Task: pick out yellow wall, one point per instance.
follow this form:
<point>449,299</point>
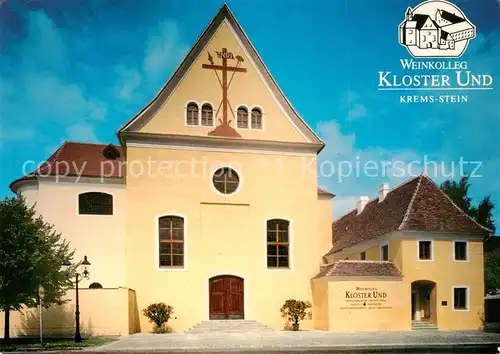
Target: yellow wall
<point>100,237</point>
<point>442,270</point>
<point>102,312</point>
<point>320,303</point>
<point>446,273</point>
<point>224,234</point>
<point>202,85</point>
<point>351,314</point>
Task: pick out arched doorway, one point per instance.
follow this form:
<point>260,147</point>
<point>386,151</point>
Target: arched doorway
<point>423,301</point>
<point>226,300</point>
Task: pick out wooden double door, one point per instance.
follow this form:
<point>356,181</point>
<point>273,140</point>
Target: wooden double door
<point>226,298</point>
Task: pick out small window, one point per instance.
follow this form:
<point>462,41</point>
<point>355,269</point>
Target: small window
<point>95,286</point>
<point>171,238</point>
<point>207,115</point>
<point>192,114</point>
<point>363,256</point>
<point>242,117</point>
<point>460,250</point>
<point>425,250</point>
<point>95,203</point>
<point>226,180</point>
<point>256,119</point>
<point>278,243</point>
<point>384,253</point>
<point>460,298</point>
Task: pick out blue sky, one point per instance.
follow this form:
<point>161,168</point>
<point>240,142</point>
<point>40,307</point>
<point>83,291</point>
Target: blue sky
<point>77,70</point>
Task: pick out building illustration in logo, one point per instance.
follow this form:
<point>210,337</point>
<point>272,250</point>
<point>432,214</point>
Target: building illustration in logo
<point>436,28</point>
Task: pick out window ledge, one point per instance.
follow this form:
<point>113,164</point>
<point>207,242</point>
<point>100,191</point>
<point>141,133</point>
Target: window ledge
<point>278,269</point>
<point>461,310</point>
<point>171,269</point>
<point>425,260</point>
<point>460,261</point>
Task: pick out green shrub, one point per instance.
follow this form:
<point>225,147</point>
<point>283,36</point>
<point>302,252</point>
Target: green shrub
<point>159,314</point>
<point>296,310</point>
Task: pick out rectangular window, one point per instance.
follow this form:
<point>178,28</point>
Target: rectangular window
<point>277,243</point>
<point>460,298</point>
<point>384,253</point>
<point>171,238</point>
<point>425,250</point>
<point>363,256</point>
<point>460,250</point>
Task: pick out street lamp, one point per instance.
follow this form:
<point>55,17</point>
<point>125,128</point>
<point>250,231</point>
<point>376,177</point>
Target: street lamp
<point>85,274</point>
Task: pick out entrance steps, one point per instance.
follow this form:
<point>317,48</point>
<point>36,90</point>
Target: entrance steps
<point>230,326</point>
<point>422,325</point>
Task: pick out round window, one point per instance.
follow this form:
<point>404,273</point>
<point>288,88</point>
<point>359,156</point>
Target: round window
<point>226,180</point>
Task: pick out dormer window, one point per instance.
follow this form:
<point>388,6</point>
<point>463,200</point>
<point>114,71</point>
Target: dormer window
<point>207,115</point>
<point>256,118</point>
<point>111,152</point>
<point>192,114</point>
<point>242,118</point>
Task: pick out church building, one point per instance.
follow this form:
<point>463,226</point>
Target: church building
<point>210,204</point>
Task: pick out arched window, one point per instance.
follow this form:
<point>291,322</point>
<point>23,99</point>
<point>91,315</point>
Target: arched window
<point>95,203</point>
<point>278,243</point>
<point>256,118</point>
<point>192,114</point>
<point>171,237</point>
<point>95,286</point>
<point>242,117</point>
<point>207,115</point>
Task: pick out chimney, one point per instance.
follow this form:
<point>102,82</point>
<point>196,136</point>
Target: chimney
<point>362,203</point>
<point>382,192</point>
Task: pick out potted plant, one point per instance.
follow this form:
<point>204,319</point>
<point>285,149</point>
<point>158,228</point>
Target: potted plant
<point>295,311</point>
<point>159,314</point>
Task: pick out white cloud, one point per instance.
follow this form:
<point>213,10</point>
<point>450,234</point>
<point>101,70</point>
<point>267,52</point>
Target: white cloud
<point>343,205</point>
<point>358,111</point>
<point>81,132</point>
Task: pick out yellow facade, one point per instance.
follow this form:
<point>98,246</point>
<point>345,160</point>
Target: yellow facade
<point>169,172</point>
<point>445,272</point>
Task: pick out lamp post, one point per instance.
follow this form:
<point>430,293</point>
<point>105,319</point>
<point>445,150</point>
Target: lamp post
<point>85,274</point>
<point>41,294</point>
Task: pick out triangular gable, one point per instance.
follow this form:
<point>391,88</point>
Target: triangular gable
<point>223,16</point>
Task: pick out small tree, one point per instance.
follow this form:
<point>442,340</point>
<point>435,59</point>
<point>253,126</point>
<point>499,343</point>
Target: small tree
<point>31,253</point>
<point>295,311</point>
<point>492,271</point>
<point>159,314</point>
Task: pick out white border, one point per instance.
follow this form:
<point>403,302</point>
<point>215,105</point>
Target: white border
<point>185,113</point>
<point>238,172</point>
<point>467,297</point>
<point>381,254</point>
<point>156,259</point>
<point>218,149</point>
<point>213,114</point>
<point>290,245</point>
<point>236,115</point>
<point>418,249</point>
<point>94,191</point>
<point>211,275</point>
<point>255,106</point>
<point>467,255</point>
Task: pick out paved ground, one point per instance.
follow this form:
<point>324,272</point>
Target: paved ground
<point>312,341</point>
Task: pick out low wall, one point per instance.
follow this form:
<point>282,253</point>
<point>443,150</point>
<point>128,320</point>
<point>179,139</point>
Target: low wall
<point>102,312</point>
<point>363,305</point>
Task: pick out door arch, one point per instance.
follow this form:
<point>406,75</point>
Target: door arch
<point>423,301</point>
<point>226,297</point>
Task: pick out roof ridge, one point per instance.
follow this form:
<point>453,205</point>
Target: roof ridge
<point>375,198</point>
<point>89,143</point>
<point>410,204</point>
<point>459,209</point>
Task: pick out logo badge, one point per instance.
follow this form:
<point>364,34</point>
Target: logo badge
<point>436,29</point>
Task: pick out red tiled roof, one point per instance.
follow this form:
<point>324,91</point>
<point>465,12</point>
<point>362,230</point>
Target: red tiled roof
<point>87,160</point>
<point>79,159</point>
<point>353,268</point>
<point>418,205</point>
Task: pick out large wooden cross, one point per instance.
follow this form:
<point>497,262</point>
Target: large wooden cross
<point>224,129</point>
